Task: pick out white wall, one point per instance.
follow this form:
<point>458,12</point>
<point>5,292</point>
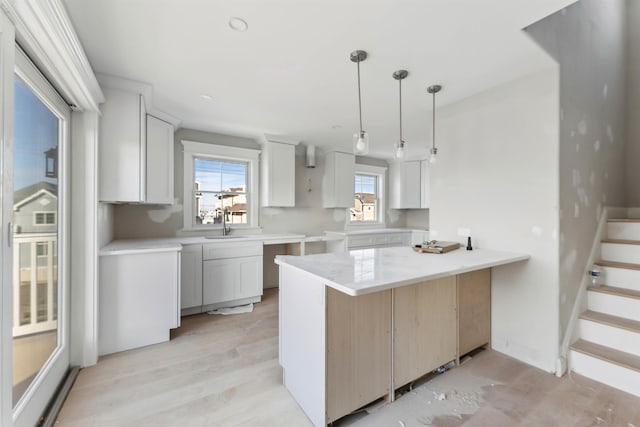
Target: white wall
<point>633,104</point>
<point>588,40</point>
<point>498,176</point>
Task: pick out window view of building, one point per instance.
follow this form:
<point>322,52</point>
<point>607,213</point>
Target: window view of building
<point>365,201</point>
<point>220,185</point>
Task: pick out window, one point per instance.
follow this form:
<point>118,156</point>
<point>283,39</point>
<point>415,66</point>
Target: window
<point>219,186</point>
<point>219,179</point>
<point>42,249</point>
<point>44,218</point>
<point>368,195</point>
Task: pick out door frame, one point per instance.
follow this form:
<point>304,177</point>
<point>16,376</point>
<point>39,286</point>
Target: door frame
<point>35,399</point>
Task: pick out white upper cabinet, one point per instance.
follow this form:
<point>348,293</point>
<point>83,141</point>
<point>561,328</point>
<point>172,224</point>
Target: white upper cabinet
<point>122,143</point>
<point>159,161</point>
<point>278,174</point>
<point>409,184</point>
<point>136,151</point>
<point>338,180</point>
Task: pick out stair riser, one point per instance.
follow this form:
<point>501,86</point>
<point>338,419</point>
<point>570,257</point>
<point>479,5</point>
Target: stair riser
<point>607,373</point>
<point>623,230</point>
<point>614,305</point>
<point>620,278</point>
<point>610,336</point>
<point>621,253</point>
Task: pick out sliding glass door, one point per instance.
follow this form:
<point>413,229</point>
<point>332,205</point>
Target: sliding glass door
<point>39,242</point>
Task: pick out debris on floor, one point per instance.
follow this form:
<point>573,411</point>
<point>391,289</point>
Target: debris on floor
<point>233,310</point>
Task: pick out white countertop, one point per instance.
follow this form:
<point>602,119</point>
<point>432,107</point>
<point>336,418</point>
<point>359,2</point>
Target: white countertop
<point>121,247</point>
<point>363,271</point>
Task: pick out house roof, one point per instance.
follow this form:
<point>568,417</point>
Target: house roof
<point>26,194</point>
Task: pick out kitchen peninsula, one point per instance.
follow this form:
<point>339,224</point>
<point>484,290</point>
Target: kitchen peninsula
<point>356,326</point>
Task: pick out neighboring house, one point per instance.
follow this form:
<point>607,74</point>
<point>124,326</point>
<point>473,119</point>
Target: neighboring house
<point>364,208</point>
<point>35,209</point>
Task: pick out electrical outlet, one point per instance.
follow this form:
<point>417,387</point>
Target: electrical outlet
<point>464,232</point>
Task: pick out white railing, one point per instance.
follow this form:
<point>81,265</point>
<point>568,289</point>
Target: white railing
<point>30,277</point>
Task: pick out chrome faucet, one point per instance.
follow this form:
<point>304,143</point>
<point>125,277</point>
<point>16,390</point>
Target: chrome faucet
<point>225,230</point>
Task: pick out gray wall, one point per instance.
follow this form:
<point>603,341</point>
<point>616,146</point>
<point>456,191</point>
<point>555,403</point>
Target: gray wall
<point>587,39</point>
<point>633,104</point>
<point>308,217</point>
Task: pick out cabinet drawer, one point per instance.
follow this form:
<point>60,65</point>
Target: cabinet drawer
<point>361,241</point>
<point>231,250</point>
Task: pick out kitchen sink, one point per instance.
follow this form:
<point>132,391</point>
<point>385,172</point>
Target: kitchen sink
<point>225,237</point>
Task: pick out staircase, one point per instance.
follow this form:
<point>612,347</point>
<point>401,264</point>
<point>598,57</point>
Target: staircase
<point>608,348</point>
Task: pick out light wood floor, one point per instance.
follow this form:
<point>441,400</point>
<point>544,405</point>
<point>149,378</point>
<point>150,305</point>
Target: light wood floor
<point>223,371</point>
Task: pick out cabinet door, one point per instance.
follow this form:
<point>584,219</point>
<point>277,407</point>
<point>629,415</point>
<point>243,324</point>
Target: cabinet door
<point>338,184</point>
<point>159,164</point>
<point>424,328</point>
<point>474,310</point>
<point>220,279</point>
<point>424,184</point>
<point>279,175</point>
<point>191,277</point>
<point>405,185</point>
<point>250,282</point>
<point>358,350</point>
<point>120,150</point>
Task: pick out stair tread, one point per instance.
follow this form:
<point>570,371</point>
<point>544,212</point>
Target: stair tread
<point>621,241</point>
<point>613,290</point>
<point>608,354</point>
<point>624,220</point>
<point>616,264</point>
<point>615,321</point>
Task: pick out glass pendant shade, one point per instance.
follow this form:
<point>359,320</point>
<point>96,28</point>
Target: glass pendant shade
<point>433,158</point>
<point>400,151</point>
<point>361,143</point>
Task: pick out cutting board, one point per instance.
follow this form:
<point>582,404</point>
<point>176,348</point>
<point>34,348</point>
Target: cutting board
<point>437,247</point>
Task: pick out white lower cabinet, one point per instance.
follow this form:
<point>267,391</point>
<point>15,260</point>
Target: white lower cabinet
<point>220,275</point>
<point>231,279</point>
<point>138,299</point>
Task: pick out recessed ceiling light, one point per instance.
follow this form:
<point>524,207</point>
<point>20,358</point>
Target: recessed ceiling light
<point>206,97</point>
<point>336,127</point>
<point>238,24</point>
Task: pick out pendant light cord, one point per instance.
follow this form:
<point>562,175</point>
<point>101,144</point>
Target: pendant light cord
<point>433,126</point>
<point>359,98</point>
<point>400,91</point>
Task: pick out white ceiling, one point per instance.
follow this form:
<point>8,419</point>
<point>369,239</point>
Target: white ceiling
<point>290,73</point>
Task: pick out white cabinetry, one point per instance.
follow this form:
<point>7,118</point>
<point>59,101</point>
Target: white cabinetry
<point>409,184</point>
<point>375,239</point>
<point>337,183</point>
<point>191,277</point>
<point>139,297</point>
<point>159,162</point>
<point>231,274</point>
<point>122,148</point>
<point>134,167</point>
<point>278,172</point>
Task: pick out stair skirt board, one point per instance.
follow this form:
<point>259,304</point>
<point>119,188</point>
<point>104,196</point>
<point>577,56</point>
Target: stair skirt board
<point>623,230</point>
<point>621,277</point>
<point>620,252</point>
<point>605,372</point>
<point>610,336</point>
<point>614,305</point>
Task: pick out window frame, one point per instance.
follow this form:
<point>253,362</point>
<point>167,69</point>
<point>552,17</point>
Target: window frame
<point>193,150</point>
<point>380,173</point>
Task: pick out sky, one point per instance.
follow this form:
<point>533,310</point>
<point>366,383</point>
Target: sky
<point>365,183</point>
<point>35,131</point>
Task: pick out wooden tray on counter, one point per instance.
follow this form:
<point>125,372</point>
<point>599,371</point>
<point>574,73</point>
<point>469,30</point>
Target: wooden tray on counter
<point>437,247</point>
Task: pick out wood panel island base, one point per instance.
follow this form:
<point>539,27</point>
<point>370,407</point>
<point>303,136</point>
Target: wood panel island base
<point>356,326</point>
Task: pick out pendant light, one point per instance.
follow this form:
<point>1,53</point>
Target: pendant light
<point>360,139</point>
<point>434,151</point>
<point>400,150</point>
